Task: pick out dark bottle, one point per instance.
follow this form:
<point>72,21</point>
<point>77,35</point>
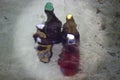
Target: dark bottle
<point>70,27</point>
<point>52,27</point>
<point>69,58</point>
<point>46,35</point>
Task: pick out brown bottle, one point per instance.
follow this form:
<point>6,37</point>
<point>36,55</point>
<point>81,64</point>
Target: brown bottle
<point>70,27</point>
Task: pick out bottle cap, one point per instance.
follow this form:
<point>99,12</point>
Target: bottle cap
<point>49,6</point>
<point>69,16</point>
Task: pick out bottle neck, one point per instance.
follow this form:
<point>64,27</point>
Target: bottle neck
<point>49,17</point>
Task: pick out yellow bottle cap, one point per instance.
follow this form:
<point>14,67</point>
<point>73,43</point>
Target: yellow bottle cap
<point>69,16</point>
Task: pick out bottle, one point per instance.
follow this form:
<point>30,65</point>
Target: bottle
<point>52,27</point>
<point>70,27</point>
<point>47,34</point>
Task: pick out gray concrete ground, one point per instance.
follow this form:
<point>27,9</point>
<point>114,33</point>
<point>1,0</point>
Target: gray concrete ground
<point>99,26</point>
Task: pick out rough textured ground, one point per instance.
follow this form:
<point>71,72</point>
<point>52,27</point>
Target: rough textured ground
<point>99,26</point>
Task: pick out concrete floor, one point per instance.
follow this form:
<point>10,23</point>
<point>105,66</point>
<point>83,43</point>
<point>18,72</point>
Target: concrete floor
<point>99,26</point>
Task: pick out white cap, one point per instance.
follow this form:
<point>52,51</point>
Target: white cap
<point>71,38</point>
<point>40,26</point>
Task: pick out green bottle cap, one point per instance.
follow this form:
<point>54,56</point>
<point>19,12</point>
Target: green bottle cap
<point>49,6</point>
